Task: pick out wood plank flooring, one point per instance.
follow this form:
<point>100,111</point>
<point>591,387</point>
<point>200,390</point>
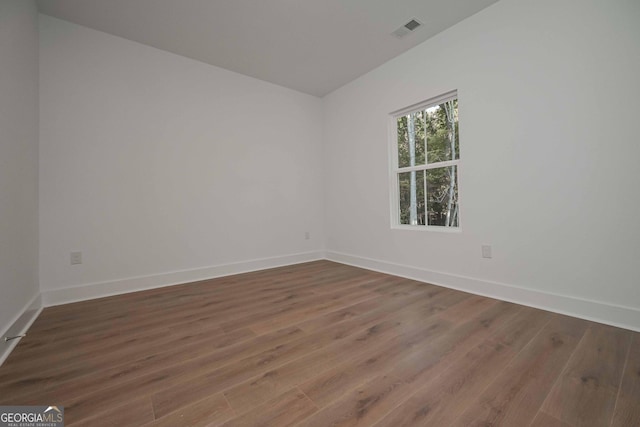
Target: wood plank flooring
<point>322,344</point>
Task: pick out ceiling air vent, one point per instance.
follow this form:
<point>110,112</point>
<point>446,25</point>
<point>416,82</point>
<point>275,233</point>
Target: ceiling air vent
<point>407,28</point>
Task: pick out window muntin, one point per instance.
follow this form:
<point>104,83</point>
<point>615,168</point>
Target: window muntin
<point>426,148</point>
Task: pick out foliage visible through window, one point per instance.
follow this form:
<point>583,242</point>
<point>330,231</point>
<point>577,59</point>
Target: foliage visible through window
<point>428,156</point>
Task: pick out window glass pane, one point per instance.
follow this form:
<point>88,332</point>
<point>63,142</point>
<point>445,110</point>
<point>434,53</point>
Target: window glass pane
<point>441,124</point>
<point>412,201</point>
<point>403,142</point>
<point>442,196</point>
<point>411,140</point>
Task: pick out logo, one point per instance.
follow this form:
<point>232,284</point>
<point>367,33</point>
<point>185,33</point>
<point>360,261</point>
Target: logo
<point>31,416</point>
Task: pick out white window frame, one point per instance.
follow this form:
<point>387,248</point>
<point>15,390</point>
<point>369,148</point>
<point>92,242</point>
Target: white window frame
<point>395,170</point>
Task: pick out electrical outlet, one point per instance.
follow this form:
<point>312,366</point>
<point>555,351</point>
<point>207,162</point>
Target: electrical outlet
<point>307,235</point>
<point>76,258</point>
<point>486,251</point>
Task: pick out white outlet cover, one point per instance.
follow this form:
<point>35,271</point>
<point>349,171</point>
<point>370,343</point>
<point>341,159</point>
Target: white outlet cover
<point>76,258</point>
<point>486,251</point>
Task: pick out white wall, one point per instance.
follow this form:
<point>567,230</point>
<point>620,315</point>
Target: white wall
<point>549,99</point>
<point>151,163</point>
<point>18,162</point>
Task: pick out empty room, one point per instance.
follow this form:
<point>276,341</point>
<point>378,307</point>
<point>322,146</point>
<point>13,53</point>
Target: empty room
<point>319,213</point>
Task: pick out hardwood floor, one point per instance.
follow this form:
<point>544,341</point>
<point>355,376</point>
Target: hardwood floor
<point>322,344</point>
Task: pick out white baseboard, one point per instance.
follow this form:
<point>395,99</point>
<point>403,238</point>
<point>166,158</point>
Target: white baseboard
<point>19,326</point>
<point>611,314</point>
<point>104,289</point>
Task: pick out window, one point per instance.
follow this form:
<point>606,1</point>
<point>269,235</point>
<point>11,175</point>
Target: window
<point>425,160</point>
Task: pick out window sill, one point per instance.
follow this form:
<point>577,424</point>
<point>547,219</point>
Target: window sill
<point>437,229</point>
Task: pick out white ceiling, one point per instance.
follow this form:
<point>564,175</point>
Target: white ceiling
<point>314,46</point>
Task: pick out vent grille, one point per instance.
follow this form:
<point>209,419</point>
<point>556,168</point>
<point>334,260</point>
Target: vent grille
<point>412,25</point>
<point>407,28</point>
